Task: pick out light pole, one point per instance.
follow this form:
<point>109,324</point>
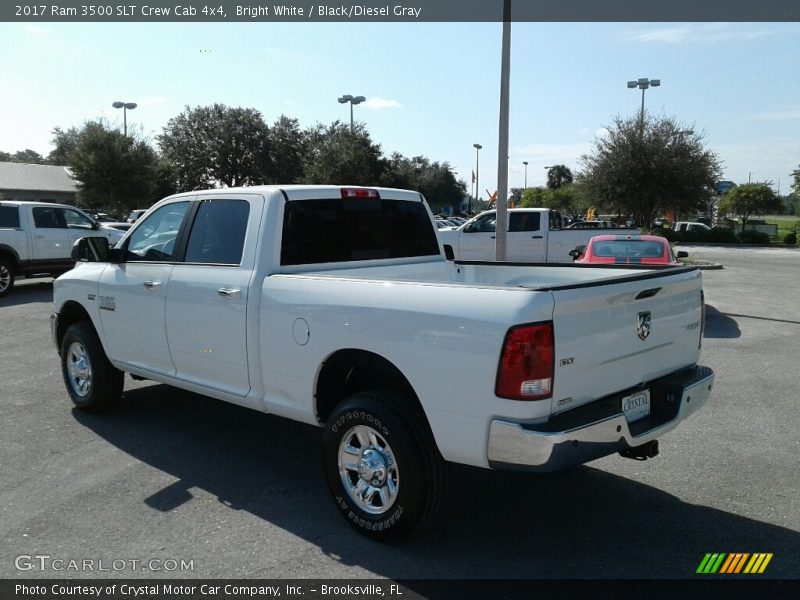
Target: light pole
<point>477,174</point>
<point>125,106</point>
<point>643,83</point>
<point>352,100</point>
<point>525,162</point>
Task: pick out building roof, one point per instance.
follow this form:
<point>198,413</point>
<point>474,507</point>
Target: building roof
<point>44,178</point>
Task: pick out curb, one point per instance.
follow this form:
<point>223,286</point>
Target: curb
<point>720,245</point>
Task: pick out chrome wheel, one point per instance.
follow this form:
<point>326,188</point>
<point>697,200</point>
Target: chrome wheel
<point>368,470</point>
<point>5,278</point>
<point>79,369</point>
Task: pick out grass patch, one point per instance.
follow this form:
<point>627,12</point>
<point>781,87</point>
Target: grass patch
<point>784,224</point>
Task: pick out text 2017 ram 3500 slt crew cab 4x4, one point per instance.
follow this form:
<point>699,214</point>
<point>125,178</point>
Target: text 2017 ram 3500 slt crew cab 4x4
<point>336,306</point>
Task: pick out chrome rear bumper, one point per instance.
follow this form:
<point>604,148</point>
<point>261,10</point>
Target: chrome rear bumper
<point>599,428</point>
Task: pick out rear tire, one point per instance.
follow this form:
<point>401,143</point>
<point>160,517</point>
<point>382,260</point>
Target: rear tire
<point>93,383</point>
<point>382,465</point>
<point>6,276</point>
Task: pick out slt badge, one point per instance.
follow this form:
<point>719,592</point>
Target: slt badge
<point>643,327</point>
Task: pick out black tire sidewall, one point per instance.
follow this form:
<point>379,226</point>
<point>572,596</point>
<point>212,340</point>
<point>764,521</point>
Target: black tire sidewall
<point>98,397</point>
<point>10,268</point>
<point>405,513</point>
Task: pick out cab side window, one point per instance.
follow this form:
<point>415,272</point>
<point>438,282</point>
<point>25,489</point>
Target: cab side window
<point>46,217</point>
<point>525,221</point>
<point>9,217</point>
<point>218,232</point>
<point>484,224</point>
<point>153,240</point>
<point>76,219</point>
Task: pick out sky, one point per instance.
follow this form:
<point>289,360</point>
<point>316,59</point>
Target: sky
<point>432,89</point>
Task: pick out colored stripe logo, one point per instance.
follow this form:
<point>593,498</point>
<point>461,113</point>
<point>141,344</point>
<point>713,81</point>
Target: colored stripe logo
<point>734,563</point>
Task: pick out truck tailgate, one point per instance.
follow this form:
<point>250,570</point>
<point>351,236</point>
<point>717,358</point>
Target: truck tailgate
<point>612,336</point>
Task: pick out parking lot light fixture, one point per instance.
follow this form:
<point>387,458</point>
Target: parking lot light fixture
<point>352,100</point>
<point>643,83</point>
<point>525,162</point>
<point>125,106</point>
<point>477,174</point>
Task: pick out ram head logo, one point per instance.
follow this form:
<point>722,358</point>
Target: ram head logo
<point>643,326</point>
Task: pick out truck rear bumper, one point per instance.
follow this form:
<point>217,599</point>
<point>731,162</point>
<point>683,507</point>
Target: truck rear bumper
<point>599,428</point>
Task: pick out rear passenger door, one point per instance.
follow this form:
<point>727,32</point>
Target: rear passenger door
<point>50,238</point>
<point>206,319</point>
<point>525,239</point>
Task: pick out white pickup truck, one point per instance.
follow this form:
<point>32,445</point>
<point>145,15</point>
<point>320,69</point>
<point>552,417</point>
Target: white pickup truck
<point>36,238</point>
<point>335,306</point>
<point>534,235</point>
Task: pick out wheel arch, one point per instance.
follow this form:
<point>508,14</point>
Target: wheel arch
<point>71,312</point>
<point>352,370</point>
<point>9,253</point>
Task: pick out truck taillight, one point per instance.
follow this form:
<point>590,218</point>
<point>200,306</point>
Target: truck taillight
<point>526,363</point>
<point>360,193</point>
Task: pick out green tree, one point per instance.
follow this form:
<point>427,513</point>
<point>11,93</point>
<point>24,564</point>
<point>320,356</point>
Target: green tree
<point>557,176</point>
<point>571,199</point>
<point>335,155</point>
<point>23,156</point>
<point>750,199</point>
<point>434,180</point>
<point>216,146</point>
<point>537,197</point>
<point>796,182</point>
<point>65,143</point>
<point>113,171</point>
<point>647,167</point>
<point>287,146</point>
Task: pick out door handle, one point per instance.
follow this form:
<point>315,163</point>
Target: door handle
<point>536,237</point>
<point>229,292</point>
<point>492,237</point>
<point>152,285</point>
<point>41,237</point>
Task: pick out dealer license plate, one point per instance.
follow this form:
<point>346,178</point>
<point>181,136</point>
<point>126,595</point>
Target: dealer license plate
<point>636,406</point>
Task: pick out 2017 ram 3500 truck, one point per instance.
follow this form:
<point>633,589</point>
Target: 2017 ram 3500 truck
<point>335,306</point>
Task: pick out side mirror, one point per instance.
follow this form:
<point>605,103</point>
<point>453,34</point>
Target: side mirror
<point>95,225</point>
<point>448,252</point>
<point>683,254</point>
<point>90,249</point>
<point>575,253</point>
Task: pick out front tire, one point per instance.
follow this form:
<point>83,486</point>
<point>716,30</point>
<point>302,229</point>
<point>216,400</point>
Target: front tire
<point>93,383</point>
<point>382,465</point>
<point>6,277</point>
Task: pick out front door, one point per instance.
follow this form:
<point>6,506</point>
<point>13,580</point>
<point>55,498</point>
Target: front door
<point>477,240</point>
<point>132,294</point>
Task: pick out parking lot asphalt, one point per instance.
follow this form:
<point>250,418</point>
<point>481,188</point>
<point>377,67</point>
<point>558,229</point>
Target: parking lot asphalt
<point>170,475</point>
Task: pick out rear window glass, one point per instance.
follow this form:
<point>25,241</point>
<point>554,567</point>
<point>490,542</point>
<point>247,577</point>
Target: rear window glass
<point>629,248</point>
<point>350,229</point>
<point>523,221</point>
<point>9,216</point>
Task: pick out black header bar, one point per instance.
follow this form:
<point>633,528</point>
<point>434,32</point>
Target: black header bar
<point>398,11</point>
